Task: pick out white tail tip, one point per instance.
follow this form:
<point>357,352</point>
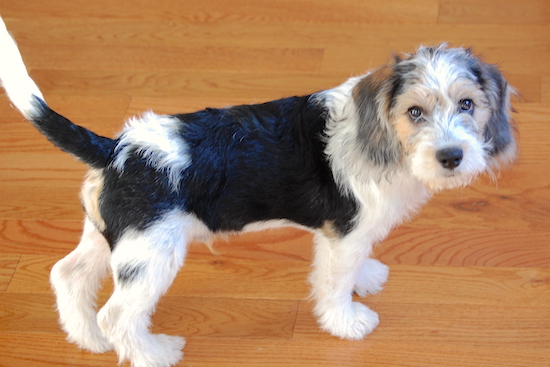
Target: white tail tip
<point>14,76</point>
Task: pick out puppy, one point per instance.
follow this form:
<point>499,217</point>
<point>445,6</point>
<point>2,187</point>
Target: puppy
<point>348,164</point>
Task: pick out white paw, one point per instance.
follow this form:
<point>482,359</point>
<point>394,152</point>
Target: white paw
<point>92,342</point>
<point>371,278</point>
<point>81,326</point>
<point>351,322</point>
<point>161,351</point>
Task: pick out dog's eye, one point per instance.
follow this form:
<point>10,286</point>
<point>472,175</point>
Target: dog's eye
<point>467,105</point>
<point>415,113</point>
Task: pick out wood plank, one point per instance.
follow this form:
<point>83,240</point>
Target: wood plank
<point>521,287</point>
<point>39,237</point>
<point>463,325</point>
<point>31,313</point>
<point>50,350</point>
<point>465,247</point>
<point>113,58</point>
<point>226,317</point>
<point>238,11</point>
<point>188,316</point>
<point>528,87</point>
<point>32,274</point>
<point>531,120</point>
<point>348,353</point>
<point>222,277</point>
<point>494,11</point>
<point>8,263</point>
<point>349,49</point>
<point>41,202</point>
<point>24,181</point>
<point>359,61</point>
<point>545,90</point>
<point>378,39</point>
<point>257,87</point>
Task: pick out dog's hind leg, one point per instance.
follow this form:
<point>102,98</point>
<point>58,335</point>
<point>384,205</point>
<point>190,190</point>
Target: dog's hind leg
<point>145,263</point>
<point>75,280</point>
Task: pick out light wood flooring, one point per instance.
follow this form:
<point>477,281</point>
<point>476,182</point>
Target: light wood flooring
<point>470,276</point>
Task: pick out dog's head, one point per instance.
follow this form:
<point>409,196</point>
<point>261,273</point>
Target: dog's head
<point>442,112</point>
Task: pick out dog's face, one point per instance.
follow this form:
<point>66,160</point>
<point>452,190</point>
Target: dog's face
<point>441,112</point>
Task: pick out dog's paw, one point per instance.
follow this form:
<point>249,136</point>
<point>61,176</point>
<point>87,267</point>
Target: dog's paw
<point>85,332</point>
<point>353,322</point>
<point>161,351</point>
<point>371,278</point>
<point>93,342</point>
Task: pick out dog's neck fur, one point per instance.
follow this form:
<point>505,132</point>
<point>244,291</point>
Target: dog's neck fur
<point>361,178</point>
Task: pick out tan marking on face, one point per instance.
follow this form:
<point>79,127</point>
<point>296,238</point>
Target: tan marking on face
<point>467,89</point>
<point>439,107</point>
<point>404,130</point>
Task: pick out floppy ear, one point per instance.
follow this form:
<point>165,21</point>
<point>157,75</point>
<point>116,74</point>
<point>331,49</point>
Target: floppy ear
<point>376,136</point>
<point>498,131</point>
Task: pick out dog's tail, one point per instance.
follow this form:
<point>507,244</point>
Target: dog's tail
<point>87,146</point>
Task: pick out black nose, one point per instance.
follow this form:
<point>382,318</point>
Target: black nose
<point>449,158</point>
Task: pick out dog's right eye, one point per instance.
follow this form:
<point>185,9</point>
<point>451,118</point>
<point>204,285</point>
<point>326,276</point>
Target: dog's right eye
<point>415,113</point>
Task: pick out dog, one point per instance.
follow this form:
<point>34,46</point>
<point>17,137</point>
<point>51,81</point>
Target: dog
<point>348,164</point>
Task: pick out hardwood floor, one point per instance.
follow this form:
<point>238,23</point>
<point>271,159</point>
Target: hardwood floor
<point>470,276</point>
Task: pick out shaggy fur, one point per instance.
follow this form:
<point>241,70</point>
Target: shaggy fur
<point>348,164</point>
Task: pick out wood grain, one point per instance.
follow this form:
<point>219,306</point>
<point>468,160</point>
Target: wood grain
<point>8,263</point>
<point>113,58</point>
<point>51,350</point>
<point>545,90</point>
<point>494,11</point>
<point>465,247</point>
<point>190,316</point>
<point>470,279</point>
<point>239,11</point>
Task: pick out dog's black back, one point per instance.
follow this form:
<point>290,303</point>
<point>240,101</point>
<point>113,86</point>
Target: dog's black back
<point>249,164</point>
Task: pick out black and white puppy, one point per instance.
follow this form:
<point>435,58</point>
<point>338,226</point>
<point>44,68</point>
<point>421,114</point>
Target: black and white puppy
<point>348,164</point>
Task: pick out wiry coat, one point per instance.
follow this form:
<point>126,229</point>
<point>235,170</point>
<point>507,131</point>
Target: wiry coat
<point>347,164</point>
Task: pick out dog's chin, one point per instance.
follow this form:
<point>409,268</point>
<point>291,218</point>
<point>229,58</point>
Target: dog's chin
<point>448,182</point>
<point>437,178</point>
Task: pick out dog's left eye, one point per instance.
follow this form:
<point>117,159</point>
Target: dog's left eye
<point>467,105</point>
<point>415,113</point>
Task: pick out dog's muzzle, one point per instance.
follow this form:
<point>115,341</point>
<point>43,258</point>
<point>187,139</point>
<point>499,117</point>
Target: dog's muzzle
<point>450,158</point>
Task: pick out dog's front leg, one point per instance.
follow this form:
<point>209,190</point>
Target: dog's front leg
<point>337,267</point>
<point>371,278</point>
